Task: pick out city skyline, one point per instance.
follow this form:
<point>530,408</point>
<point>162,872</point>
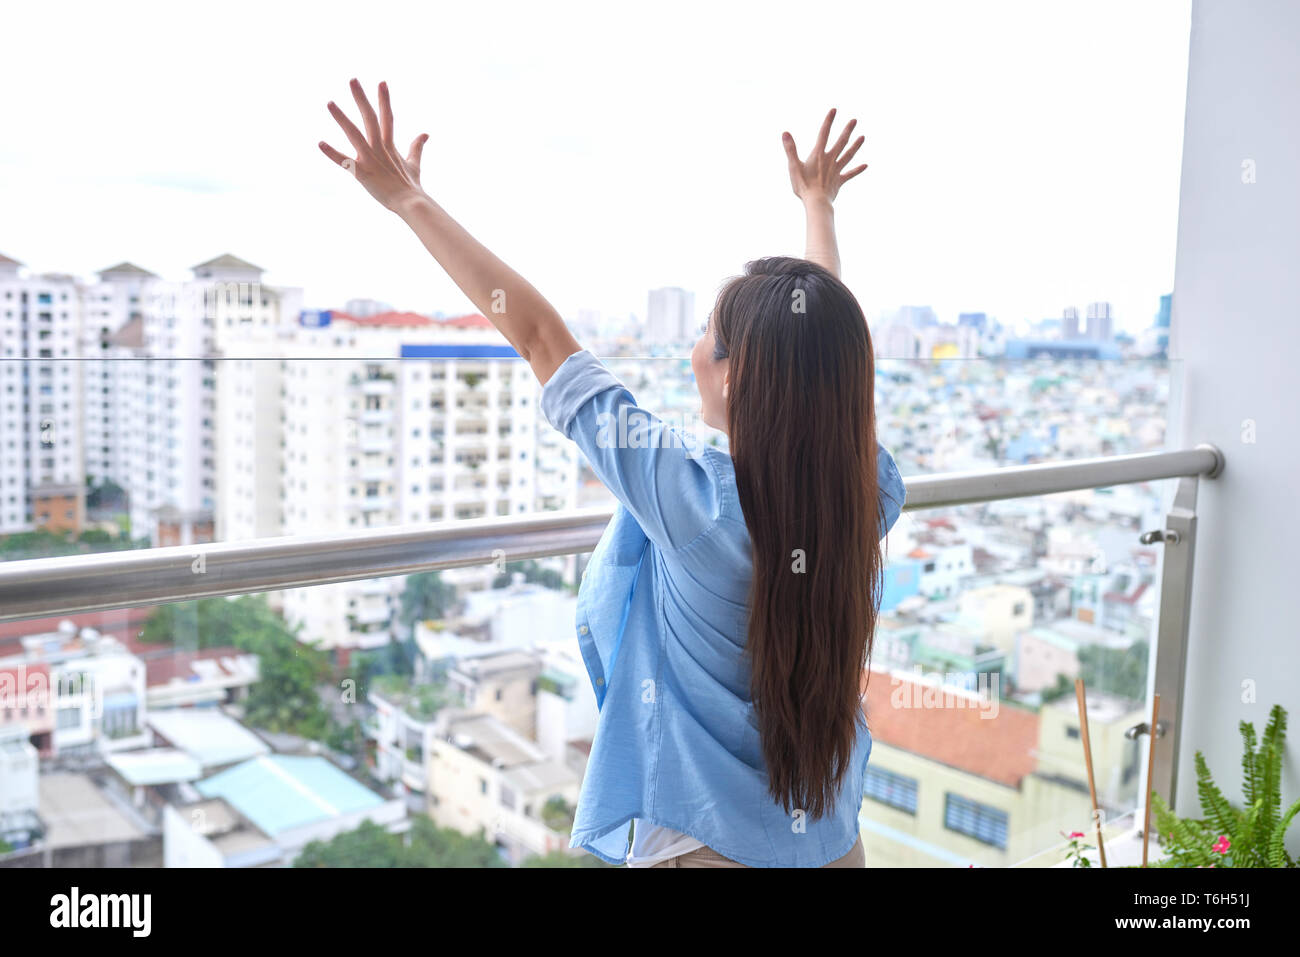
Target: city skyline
<point>666,316</point>
<point>995,182</point>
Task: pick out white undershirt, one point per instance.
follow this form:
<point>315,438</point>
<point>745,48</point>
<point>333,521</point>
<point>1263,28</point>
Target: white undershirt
<point>652,844</point>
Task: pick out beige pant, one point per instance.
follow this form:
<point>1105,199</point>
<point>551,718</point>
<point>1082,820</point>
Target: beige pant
<point>708,857</point>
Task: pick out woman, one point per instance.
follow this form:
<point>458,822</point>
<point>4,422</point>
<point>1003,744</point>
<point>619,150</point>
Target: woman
<point>727,613</point>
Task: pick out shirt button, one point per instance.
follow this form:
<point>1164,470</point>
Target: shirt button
<point>600,681</point>
<point>582,630</point>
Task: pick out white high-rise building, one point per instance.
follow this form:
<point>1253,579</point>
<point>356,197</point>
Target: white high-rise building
<point>41,470</point>
<point>1099,322</point>
<point>187,395</point>
<point>366,307</point>
<point>111,339</point>
<point>670,317</point>
<point>224,411</point>
<point>1070,323</point>
<point>398,418</point>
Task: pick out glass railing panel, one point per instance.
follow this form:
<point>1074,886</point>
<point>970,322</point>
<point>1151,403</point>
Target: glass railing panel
<point>1022,596</point>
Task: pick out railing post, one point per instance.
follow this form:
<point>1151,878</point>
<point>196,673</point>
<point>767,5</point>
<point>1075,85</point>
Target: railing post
<point>1179,540</point>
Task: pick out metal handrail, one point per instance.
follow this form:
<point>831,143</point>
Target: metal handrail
<point>46,587</point>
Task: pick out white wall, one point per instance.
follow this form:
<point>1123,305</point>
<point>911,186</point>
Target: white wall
<point>1234,341</point>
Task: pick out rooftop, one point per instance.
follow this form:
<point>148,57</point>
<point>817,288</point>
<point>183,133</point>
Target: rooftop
<point>126,269</point>
<point>996,745</point>
<point>227,261</point>
<point>77,814</point>
<point>155,766</point>
<point>207,735</point>
<point>281,792</point>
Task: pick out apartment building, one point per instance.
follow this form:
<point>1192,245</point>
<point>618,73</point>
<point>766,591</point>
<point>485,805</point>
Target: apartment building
<point>172,391</point>
<point>224,411</point>
<point>402,727</point>
<point>41,459</point>
<point>20,823</point>
<point>263,811</point>
<point>503,685</point>
<point>956,779</point>
<point>75,691</point>
<point>397,418</point>
<point>112,337</point>
<point>486,778</point>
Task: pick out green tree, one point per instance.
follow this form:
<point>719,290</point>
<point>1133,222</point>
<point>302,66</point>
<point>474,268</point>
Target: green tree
<point>534,572</point>
<point>368,846</point>
<point>395,658</point>
<point>43,543</point>
<point>106,495</point>
<point>284,699</point>
<point>1117,671</point>
<point>425,596</point>
<point>348,739</point>
<point>425,845</point>
<point>211,622</point>
<point>1063,687</point>
<point>557,814</point>
<point>561,859</point>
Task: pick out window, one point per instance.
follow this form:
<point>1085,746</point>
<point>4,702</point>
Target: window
<point>1071,732</point>
<point>892,790</point>
<point>986,824</point>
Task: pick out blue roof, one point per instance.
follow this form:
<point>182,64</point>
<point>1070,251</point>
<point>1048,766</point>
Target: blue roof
<point>282,791</point>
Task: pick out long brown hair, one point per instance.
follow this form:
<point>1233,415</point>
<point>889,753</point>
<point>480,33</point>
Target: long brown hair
<point>802,430</point>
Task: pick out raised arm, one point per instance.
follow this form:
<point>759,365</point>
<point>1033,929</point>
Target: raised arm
<point>817,181</point>
<point>519,311</point>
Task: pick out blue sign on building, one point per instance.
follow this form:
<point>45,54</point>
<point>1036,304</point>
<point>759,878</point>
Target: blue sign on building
<point>314,318</point>
<point>458,352</point>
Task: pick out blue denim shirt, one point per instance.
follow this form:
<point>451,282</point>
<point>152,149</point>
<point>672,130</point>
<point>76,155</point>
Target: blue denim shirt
<point>662,623</point>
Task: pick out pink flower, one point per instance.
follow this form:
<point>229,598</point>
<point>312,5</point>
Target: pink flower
<point>1221,845</point>
<point>1076,834</point>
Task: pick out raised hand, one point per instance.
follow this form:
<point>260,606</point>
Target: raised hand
<point>821,175</point>
<point>387,176</point>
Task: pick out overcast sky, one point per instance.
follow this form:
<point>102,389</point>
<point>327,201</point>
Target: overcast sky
<point>1023,156</point>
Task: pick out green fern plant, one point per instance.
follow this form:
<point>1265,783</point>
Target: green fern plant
<point>1227,836</point>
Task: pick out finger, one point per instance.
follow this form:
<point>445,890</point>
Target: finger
<point>354,135</point>
<point>788,142</point>
<point>848,176</point>
<point>844,138</point>
<point>843,161</point>
<point>367,112</point>
<point>825,131</point>
<point>417,150</point>
<point>344,161</point>
<point>385,115</point>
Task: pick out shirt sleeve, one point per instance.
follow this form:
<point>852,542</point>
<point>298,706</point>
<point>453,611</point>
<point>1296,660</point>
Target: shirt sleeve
<point>893,493</point>
<point>655,470</point>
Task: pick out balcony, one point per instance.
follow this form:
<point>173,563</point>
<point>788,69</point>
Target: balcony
<point>64,586</point>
